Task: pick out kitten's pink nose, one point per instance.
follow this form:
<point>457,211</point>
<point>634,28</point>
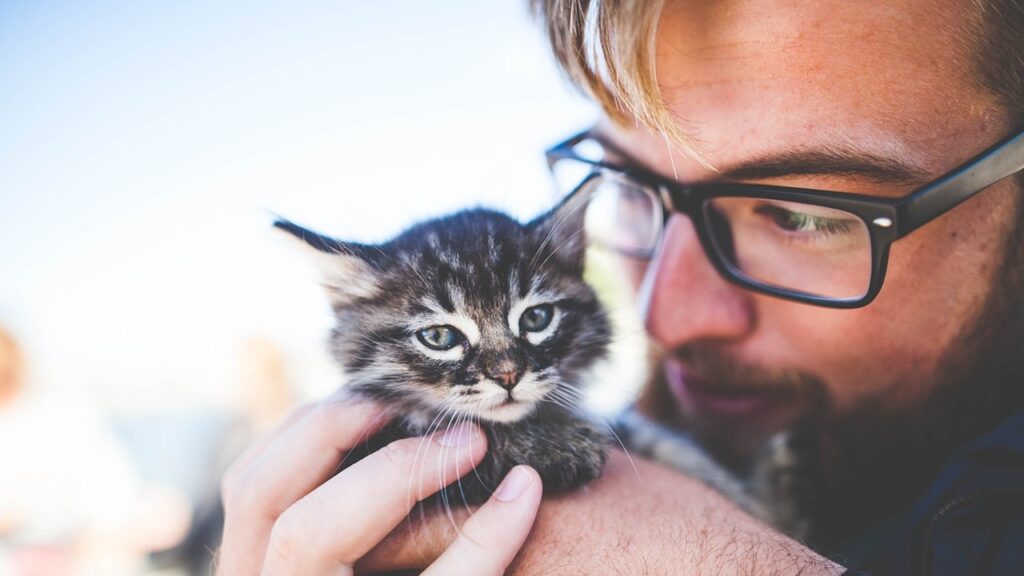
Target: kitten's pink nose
<point>507,378</point>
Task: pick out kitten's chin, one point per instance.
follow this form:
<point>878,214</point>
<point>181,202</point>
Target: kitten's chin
<point>505,413</point>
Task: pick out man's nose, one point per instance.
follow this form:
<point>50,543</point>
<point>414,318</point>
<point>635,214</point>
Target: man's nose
<point>685,298</point>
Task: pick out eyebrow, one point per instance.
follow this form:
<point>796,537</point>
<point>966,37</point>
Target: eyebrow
<point>828,161</point>
<point>823,161</point>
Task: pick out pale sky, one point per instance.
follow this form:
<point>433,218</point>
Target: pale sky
<point>143,146</point>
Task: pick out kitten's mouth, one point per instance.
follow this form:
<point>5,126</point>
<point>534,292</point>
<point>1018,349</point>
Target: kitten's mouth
<point>508,410</point>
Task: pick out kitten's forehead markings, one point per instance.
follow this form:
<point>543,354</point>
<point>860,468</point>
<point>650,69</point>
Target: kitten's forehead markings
<point>495,334</point>
<point>412,263</point>
<point>433,305</point>
<point>457,296</point>
<point>454,260</point>
<point>434,241</point>
<point>513,283</point>
<point>492,245</point>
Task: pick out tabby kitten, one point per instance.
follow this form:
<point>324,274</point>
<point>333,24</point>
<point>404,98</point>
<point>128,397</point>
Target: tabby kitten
<point>475,317</point>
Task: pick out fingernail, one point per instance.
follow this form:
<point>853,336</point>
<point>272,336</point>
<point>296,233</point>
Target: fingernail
<point>517,481</point>
<point>458,436</point>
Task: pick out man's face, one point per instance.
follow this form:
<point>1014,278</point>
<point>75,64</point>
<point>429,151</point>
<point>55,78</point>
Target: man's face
<point>763,80</point>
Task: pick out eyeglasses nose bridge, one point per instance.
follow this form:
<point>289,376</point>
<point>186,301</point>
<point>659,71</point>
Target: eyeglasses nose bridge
<point>666,200</point>
<point>679,199</point>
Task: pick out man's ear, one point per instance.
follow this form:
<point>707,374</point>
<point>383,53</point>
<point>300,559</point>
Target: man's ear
<point>345,270</point>
<point>559,234</point>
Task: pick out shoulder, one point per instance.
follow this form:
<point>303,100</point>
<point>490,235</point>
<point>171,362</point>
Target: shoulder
<point>971,519</point>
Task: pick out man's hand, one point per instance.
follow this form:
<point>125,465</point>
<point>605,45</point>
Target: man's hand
<point>661,522</point>
<point>287,513</point>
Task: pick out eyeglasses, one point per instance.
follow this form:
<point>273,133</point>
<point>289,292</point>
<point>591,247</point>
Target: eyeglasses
<point>819,247</point>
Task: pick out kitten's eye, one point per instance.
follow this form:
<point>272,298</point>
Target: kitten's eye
<point>440,337</point>
<point>536,318</point>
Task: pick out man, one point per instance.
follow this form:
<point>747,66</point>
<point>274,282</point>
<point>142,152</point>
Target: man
<point>900,386</point>
<point>874,102</point>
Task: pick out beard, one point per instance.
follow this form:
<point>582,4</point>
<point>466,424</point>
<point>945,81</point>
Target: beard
<point>869,462</point>
<point>872,461</point>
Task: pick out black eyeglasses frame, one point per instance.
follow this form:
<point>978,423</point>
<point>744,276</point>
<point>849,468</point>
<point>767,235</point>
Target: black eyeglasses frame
<point>887,219</point>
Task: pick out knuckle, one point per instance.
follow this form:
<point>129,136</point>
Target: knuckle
<point>321,422</point>
<point>335,404</point>
<point>242,491</point>
<point>235,474</point>
<point>286,539</point>
<point>322,413</point>
<point>229,484</point>
<point>479,536</point>
<point>289,540</point>
<point>297,542</point>
<point>303,409</point>
<point>233,486</point>
<point>238,492</point>
<point>402,454</point>
<point>329,415</point>
<point>235,479</point>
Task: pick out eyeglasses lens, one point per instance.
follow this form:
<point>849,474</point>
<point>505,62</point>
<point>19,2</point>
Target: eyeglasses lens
<point>793,246</point>
<point>622,216</point>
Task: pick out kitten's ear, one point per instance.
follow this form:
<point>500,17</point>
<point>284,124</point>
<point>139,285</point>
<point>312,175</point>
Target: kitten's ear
<point>560,234</point>
<point>345,269</point>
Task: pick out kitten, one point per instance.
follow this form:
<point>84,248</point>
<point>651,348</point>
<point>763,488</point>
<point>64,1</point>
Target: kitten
<point>475,317</point>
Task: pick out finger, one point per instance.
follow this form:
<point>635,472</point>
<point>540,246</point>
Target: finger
<point>259,446</point>
<point>265,439</point>
<point>297,460</point>
<point>336,524</point>
<point>492,537</point>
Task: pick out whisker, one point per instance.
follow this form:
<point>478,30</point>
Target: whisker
<point>572,237</point>
<point>476,472</point>
<point>443,475</point>
<point>562,219</point>
<point>420,452</point>
<point>560,395</point>
<point>462,492</point>
<point>364,440</point>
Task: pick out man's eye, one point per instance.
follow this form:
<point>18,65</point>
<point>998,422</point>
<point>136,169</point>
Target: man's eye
<point>792,221</point>
<point>440,337</point>
<point>536,318</point>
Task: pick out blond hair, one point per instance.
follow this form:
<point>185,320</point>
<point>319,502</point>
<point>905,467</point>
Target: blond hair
<point>606,47</point>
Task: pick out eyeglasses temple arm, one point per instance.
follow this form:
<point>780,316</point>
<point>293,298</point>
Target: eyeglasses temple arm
<point>996,163</point>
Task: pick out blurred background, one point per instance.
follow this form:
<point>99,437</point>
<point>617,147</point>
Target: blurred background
<point>150,322</point>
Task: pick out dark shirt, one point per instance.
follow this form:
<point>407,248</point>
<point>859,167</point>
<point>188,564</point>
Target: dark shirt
<point>971,518</point>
